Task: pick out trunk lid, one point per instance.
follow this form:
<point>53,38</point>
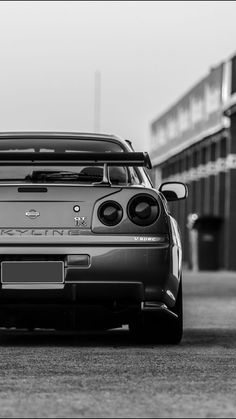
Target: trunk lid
<point>48,206</point>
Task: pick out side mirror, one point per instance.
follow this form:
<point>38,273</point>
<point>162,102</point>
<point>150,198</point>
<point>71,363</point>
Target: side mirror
<point>174,191</point>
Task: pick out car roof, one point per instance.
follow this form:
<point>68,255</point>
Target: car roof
<point>14,135</point>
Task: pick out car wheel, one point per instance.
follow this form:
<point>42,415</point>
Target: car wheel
<point>158,328</point>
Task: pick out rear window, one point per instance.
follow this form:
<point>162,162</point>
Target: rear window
<point>56,174</point>
<point>58,146</point>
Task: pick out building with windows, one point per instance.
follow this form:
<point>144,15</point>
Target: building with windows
<point>195,142</point>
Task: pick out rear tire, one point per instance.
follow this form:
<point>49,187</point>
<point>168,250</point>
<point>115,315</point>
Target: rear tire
<point>158,328</point>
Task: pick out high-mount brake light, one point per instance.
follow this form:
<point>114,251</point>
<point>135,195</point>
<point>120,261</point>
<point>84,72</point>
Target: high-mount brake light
<point>143,210</point>
<point>110,213</point>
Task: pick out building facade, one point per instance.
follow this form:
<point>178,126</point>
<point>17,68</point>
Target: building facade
<point>195,142</point>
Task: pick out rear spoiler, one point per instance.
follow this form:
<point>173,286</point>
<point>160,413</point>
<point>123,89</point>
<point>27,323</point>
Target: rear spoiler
<point>74,158</point>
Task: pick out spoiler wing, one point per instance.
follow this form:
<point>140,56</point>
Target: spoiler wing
<point>74,158</point>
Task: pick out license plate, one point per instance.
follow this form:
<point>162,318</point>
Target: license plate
<point>32,272</point>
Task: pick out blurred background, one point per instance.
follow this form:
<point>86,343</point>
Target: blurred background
<point>162,74</point>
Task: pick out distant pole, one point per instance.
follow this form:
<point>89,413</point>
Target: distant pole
<point>97,101</point>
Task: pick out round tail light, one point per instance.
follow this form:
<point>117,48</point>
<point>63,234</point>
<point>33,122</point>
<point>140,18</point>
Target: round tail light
<point>143,210</point>
<point>110,213</point>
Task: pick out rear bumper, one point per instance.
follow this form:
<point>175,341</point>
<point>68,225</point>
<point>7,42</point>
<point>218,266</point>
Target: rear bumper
<point>75,317</point>
<point>97,274</point>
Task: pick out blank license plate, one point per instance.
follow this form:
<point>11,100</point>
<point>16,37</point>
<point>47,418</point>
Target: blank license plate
<point>32,272</point>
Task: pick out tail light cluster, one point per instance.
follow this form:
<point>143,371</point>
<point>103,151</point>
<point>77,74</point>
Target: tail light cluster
<point>142,210</point>
<point>110,213</point>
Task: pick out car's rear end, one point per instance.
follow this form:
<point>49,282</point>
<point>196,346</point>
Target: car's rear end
<point>88,247</point>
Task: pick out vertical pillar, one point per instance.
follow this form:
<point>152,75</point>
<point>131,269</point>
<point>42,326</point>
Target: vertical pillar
<point>199,181</point>
<point>230,198</point>
<point>212,179</point>
<point>183,209</point>
<point>181,179</point>
<point>220,183</point>
<point>220,198</point>
<point>207,179</point>
<point>203,180</point>
<point>188,203</point>
<point>172,172</point>
<point>194,183</point>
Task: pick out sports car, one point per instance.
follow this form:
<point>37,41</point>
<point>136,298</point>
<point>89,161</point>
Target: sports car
<point>86,241</point>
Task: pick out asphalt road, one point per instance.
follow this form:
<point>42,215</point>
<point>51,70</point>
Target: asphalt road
<point>105,375</point>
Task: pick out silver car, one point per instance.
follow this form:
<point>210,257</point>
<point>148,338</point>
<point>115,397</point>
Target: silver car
<point>85,239</point>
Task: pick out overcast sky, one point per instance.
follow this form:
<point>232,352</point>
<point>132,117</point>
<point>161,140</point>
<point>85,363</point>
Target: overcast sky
<point>148,53</point>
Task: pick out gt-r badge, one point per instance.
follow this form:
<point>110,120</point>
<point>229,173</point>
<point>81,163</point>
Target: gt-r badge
<point>32,214</point>
<point>80,221</point>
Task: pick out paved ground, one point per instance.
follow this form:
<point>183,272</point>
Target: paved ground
<point>106,376</point>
